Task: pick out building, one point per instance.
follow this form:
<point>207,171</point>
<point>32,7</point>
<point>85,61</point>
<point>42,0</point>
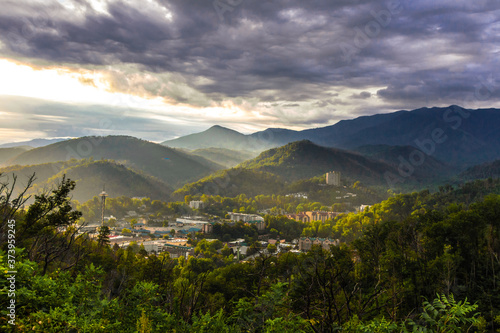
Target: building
<point>153,246</point>
<point>207,228</point>
<point>249,219</point>
<point>333,178</point>
<point>363,207</point>
<point>177,251</point>
<point>235,217</point>
<point>91,229</point>
<point>306,243</point>
<point>197,204</point>
<point>142,231</point>
<point>313,216</point>
<point>203,226</point>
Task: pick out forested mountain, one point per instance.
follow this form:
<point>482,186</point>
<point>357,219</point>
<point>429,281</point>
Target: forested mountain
<point>90,177</point>
<point>482,171</point>
<point>232,182</point>
<point>304,159</point>
<point>226,157</point>
<point>217,137</point>
<point>8,153</point>
<point>169,165</point>
<point>428,168</point>
<point>459,136</point>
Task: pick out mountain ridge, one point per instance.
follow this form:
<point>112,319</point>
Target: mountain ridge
<point>90,176</point>
<point>172,166</point>
<point>305,159</point>
<point>467,136</point>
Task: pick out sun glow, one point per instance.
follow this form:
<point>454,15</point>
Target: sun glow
<point>64,85</point>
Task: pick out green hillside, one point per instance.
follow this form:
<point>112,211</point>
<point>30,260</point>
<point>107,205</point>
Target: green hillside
<point>431,169</point>
<point>482,171</point>
<point>233,182</point>
<point>170,165</point>
<point>42,171</point>
<point>303,159</point>
<point>90,177</point>
<point>226,157</point>
<point>9,153</point>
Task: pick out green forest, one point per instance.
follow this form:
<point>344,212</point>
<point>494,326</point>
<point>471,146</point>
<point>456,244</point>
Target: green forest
<point>417,262</point>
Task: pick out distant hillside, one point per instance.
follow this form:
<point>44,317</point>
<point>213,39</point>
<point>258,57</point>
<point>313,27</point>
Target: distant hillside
<point>42,171</point>
<point>169,165</point>
<point>466,137</point>
<point>90,177</point>
<point>233,182</point>
<point>304,159</point>
<point>431,168</point>
<point>482,171</point>
<point>226,157</point>
<point>36,143</point>
<point>218,137</point>
<point>8,153</point>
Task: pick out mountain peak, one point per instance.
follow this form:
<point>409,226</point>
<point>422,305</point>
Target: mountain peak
<point>219,128</point>
<point>216,136</point>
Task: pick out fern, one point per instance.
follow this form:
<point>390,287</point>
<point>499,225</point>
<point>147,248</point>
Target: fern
<point>445,314</point>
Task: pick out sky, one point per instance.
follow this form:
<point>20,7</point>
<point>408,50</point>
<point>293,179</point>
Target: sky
<point>159,69</point>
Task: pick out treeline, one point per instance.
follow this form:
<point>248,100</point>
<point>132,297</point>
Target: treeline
<point>236,181</point>
<point>232,182</point>
<point>348,227</point>
<point>120,206</point>
<point>384,280</point>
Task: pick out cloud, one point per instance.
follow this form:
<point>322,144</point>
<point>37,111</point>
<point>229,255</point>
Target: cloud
<point>299,55</point>
<point>54,119</point>
<point>362,95</point>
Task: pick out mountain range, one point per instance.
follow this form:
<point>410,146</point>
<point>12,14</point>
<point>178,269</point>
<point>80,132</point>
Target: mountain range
<point>459,136</point>
<point>482,171</point>
<point>8,153</point>
<point>304,159</point>
<point>418,149</point>
<point>226,157</point>
<point>172,166</point>
<point>90,177</point>
<point>35,143</point>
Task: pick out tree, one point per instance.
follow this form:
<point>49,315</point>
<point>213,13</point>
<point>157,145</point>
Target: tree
<point>315,206</point>
<point>272,248</point>
<point>49,228</point>
<point>111,223</point>
<point>227,251</point>
<point>103,236</point>
<point>10,204</point>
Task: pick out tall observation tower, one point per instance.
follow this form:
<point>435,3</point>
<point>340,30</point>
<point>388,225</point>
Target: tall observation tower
<point>103,196</point>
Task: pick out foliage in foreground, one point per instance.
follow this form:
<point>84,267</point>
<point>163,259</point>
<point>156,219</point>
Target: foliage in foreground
<point>420,245</point>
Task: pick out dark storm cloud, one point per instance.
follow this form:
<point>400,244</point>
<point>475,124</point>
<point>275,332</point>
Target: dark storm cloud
<point>274,50</point>
<point>362,95</point>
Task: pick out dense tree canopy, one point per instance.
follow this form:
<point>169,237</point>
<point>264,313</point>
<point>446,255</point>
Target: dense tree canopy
<point>415,262</point>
